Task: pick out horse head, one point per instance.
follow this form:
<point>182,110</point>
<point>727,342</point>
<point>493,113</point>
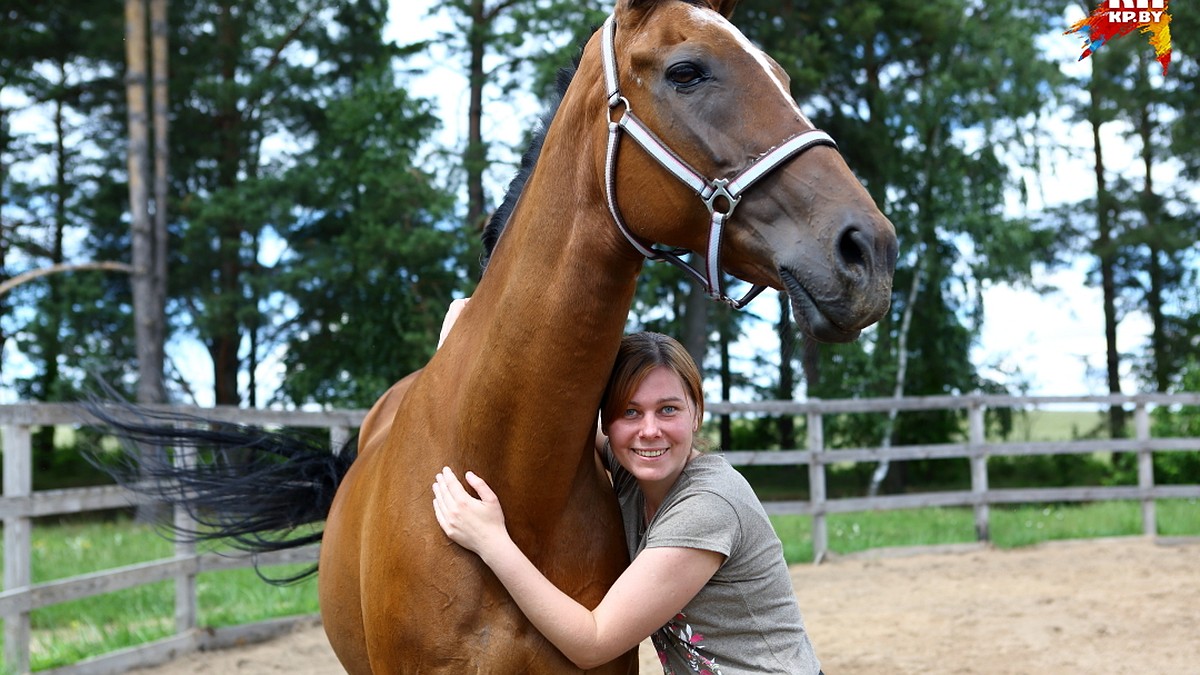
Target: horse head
<point>707,106</point>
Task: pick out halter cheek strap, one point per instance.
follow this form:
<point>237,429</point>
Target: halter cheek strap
<point>720,195</point>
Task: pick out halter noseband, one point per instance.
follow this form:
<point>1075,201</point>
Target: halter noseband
<point>715,193</point>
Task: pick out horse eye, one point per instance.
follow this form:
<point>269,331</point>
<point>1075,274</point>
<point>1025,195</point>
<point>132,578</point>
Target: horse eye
<point>685,74</point>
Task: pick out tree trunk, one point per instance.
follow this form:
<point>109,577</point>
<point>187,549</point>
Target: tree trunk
<point>1107,254</point>
<point>159,29</point>
<point>147,320</point>
<point>695,324</point>
<point>932,139</point>
<point>889,429</point>
<point>1160,366</point>
<point>5,309</point>
<point>52,347</point>
<point>787,372</point>
<point>475,155</point>
<point>225,337</point>
<point>150,370</point>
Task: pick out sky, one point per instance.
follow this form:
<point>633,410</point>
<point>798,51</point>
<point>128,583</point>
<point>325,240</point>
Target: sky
<point>1052,342</point>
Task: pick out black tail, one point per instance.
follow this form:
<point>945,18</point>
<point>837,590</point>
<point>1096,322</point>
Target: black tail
<point>254,489</point>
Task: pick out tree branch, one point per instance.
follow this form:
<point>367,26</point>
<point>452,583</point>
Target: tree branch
<point>63,267</point>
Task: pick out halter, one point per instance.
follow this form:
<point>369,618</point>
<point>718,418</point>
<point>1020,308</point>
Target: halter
<point>720,195</point>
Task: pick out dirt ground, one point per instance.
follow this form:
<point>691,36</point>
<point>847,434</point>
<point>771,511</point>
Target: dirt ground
<point>1096,607</point>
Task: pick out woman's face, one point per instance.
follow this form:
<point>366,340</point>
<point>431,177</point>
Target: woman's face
<point>652,436</point>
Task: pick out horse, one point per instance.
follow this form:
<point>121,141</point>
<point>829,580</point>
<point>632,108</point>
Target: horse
<point>665,95</point>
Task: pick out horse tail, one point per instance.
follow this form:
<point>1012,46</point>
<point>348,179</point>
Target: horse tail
<point>254,489</point>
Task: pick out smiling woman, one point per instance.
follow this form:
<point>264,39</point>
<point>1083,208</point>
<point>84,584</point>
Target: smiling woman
<point>652,408</point>
<point>708,582</point>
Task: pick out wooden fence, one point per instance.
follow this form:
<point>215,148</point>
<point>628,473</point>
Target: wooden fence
<point>976,448</point>
<point>19,503</point>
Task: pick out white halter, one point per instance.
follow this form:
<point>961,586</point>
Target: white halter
<point>710,191</point>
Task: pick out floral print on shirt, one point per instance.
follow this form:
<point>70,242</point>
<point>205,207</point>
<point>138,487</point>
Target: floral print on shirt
<point>677,636</point>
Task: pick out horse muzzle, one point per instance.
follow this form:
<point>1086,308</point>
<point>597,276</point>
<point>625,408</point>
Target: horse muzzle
<point>836,295</point>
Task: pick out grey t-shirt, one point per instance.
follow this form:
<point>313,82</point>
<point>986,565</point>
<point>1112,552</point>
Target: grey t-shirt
<point>745,619</point>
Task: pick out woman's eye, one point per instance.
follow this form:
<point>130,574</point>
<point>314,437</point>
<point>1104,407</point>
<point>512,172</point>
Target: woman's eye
<point>630,413</point>
<point>669,410</point>
<point>685,74</point>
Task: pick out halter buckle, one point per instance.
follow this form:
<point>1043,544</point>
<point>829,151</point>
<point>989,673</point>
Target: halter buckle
<point>720,189</point>
<point>615,102</point>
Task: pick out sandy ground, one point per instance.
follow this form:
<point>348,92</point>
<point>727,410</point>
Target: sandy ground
<point>1089,607</point>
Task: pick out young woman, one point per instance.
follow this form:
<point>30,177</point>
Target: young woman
<point>707,580</point>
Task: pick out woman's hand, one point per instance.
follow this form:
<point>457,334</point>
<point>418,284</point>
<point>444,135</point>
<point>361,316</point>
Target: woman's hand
<point>474,524</point>
<point>456,308</point>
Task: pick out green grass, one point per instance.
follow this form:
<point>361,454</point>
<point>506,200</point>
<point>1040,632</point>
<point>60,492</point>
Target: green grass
<point>1011,527</point>
<point>1058,425</point>
<point>69,632</point>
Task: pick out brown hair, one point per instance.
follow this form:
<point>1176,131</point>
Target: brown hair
<point>639,354</point>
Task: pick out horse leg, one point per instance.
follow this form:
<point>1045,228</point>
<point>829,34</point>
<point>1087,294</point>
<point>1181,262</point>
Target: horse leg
<point>339,582</point>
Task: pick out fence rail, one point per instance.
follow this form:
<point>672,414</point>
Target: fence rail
<point>976,449</point>
<point>20,504</point>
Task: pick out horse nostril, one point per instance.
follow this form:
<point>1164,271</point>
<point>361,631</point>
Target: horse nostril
<point>854,249</point>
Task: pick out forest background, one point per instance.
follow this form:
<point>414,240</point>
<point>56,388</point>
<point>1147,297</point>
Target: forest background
<point>262,179</point>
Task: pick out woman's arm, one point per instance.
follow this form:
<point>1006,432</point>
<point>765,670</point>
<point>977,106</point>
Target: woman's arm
<point>651,591</point>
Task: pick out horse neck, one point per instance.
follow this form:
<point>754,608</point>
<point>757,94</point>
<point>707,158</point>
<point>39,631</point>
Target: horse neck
<point>548,318</point>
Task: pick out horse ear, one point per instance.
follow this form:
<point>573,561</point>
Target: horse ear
<point>623,6</point>
<point>724,7</point>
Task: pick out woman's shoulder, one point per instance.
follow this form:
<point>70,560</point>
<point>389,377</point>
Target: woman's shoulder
<point>714,474</point>
<point>713,468</point>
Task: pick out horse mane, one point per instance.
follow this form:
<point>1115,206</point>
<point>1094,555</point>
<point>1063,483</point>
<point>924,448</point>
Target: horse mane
<point>495,225</point>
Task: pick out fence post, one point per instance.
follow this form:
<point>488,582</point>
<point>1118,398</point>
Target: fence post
<point>816,485</point>
<point>1145,462</point>
<point>18,548</point>
<point>979,476</point>
<point>186,600</point>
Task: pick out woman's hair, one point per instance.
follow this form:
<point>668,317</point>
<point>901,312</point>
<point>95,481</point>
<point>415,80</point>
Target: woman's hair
<point>639,354</point>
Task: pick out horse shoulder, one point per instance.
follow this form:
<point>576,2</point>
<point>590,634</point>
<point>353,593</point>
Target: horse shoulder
<point>378,421</point>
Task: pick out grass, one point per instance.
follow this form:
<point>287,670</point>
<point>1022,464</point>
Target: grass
<point>1011,526</point>
<point>1058,425</point>
<point>69,632</point>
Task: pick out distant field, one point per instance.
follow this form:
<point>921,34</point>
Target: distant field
<point>1058,425</point>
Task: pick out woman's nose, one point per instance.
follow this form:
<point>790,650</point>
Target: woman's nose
<point>649,428</point>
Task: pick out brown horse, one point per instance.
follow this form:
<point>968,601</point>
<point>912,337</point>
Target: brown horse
<point>513,393</point>
<point>668,94</point>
